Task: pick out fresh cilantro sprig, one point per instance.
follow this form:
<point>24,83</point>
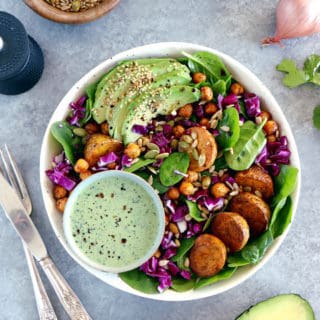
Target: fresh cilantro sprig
<point>296,77</point>
<point>309,74</point>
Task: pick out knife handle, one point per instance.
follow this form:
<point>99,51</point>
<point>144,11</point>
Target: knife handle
<point>66,295</point>
<point>45,309</point>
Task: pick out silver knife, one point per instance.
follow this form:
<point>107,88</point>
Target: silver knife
<point>25,228</point>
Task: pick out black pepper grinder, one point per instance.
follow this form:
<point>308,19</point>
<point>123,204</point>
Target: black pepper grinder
<point>21,58</point>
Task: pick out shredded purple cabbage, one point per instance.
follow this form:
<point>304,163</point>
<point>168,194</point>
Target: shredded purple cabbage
<point>231,99</point>
<point>107,159</point>
<point>179,213</point>
<point>126,161</point>
<point>78,111</point>
<point>198,110</point>
<point>252,103</point>
<point>139,129</point>
<point>159,139</point>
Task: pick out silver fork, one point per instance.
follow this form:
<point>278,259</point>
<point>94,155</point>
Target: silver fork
<point>44,306</point>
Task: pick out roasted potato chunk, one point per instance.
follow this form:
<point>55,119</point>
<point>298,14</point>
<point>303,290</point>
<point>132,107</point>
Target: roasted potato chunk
<point>208,255</point>
<point>98,145</point>
<point>256,179</point>
<point>206,150</point>
<point>232,229</point>
<point>253,209</point>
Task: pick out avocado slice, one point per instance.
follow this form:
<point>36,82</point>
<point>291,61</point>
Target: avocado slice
<point>120,111</point>
<point>284,306</point>
<point>160,101</point>
<point>133,73</point>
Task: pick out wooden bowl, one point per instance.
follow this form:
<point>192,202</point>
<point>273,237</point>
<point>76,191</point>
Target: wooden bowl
<point>49,12</point>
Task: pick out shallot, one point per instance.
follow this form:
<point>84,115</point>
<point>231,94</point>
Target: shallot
<point>295,18</point>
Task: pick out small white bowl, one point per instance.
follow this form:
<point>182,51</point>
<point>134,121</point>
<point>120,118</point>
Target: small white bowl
<point>168,49</point>
<point>125,177</point>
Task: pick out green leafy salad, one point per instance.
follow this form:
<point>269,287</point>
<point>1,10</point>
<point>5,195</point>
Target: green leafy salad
<point>217,160</point>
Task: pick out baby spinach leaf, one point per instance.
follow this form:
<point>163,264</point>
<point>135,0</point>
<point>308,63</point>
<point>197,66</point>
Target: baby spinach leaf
<point>139,164</point>
<point>209,64</point>
<point>276,211</point>
<point>284,183</point>
<point>138,280</point>
<point>316,117</point>
<point>207,223</point>
<point>185,246</point>
<point>219,87</point>
<point>182,285</point>
<point>173,167</point>
<point>294,76</point>
<point>249,145</point>
<point>194,212</point>
<point>222,275</point>
<point>243,110</point>
<point>230,120</point>
<point>156,184</point>
<point>220,163</point>
<point>90,91</point>
<point>62,131</point>
<point>283,219</point>
<point>255,250</point>
<point>236,260</point>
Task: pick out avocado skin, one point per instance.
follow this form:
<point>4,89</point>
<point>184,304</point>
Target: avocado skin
<point>161,101</point>
<point>263,308</point>
<point>118,80</point>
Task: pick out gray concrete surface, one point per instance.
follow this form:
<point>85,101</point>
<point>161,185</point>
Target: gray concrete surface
<point>234,27</point>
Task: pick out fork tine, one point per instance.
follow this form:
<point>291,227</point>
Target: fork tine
<point>8,171</point>
<point>19,183</point>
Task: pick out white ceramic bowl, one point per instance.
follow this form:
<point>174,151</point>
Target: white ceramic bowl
<point>171,49</point>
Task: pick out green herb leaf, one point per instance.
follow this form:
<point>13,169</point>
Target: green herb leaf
<point>316,117</point>
<point>90,91</point>
<point>139,164</point>
<point>249,145</point>
<point>222,275</point>
<point>311,67</point>
<point>182,285</point>
<point>138,280</point>
<point>255,250</point>
<point>284,183</point>
<point>172,167</point>
<point>194,212</point>
<point>185,246</point>
<point>294,77</point>
<point>72,145</point>
<point>230,119</point>
<point>236,260</point>
<point>209,64</point>
<point>283,219</point>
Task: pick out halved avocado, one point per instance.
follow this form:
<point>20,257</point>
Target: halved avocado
<point>281,307</point>
<point>160,101</point>
<point>176,77</point>
<point>135,73</point>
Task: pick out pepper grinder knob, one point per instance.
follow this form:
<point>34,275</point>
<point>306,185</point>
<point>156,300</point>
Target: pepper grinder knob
<point>21,58</point>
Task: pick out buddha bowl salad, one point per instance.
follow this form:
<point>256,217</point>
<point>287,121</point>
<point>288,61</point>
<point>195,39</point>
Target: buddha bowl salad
<point>218,162</point>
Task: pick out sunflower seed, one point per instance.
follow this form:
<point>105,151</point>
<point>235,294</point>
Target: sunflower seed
<point>182,146</point>
<point>150,180</point>
<point>195,154</point>
<point>194,135</point>
<point>163,263</point>
<point>162,156</point>
<point>152,170</point>
<point>194,143</point>
<point>258,193</point>
<point>202,159</point>
<point>186,262</point>
<point>187,217</point>
<point>186,138</point>
<point>225,128</point>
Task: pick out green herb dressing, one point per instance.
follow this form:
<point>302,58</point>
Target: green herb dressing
<point>114,222</point>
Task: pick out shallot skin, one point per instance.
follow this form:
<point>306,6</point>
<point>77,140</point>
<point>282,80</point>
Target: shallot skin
<point>295,18</point>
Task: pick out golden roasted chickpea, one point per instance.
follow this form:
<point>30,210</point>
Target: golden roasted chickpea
<point>173,193</point>
<point>219,190</point>
<point>271,138</point>
<point>178,131</point>
<point>166,219</point>
<point>61,204</point>
<point>192,176</point>
<point>206,94</point>
<point>237,89</point>
<point>104,127</point>
<point>271,127</point>
<point>173,228</point>
<point>85,175</point>
<point>59,192</point>
<point>210,108</point>
<point>198,77</point>
<point>81,165</point>
<point>204,122</point>
<point>187,188</point>
<point>265,115</point>
<point>132,150</point>
<point>185,111</point>
<point>111,165</point>
<point>157,254</point>
<point>92,128</point>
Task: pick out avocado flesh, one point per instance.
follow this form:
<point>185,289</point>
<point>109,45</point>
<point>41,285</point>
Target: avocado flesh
<point>160,101</point>
<point>113,87</point>
<point>281,307</point>
<point>177,77</point>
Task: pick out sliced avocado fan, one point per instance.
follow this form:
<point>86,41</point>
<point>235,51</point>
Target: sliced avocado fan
<point>113,87</point>
<point>281,307</point>
<point>160,101</point>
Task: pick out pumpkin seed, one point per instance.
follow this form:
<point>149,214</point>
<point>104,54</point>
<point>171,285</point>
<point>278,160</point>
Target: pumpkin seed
<point>187,138</point>
<point>80,132</point>
<point>195,154</point>
<point>183,146</point>
<point>174,143</point>
<point>151,154</point>
<point>152,146</point>
<point>75,5</point>
<point>194,143</point>
<point>162,156</point>
<point>194,135</point>
<point>202,159</point>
